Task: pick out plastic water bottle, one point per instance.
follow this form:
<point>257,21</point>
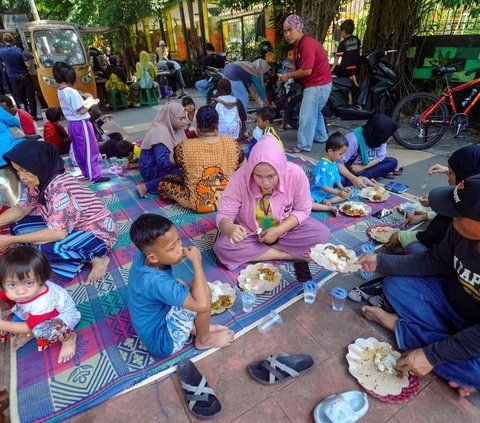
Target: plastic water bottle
<point>366,249</point>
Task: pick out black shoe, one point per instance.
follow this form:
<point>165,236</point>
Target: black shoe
<point>101,179</point>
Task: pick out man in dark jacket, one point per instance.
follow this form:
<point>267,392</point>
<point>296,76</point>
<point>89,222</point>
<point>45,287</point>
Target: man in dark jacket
<point>14,60</point>
<point>436,294</point>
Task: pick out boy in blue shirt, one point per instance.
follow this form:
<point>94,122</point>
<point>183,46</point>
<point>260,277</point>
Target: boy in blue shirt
<point>326,187</point>
<point>165,312</point>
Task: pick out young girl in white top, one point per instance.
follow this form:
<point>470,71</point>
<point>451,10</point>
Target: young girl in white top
<point>75,109</point>
<point>43,309</point>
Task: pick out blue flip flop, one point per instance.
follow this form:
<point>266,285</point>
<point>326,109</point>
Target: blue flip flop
<point>348,407</point>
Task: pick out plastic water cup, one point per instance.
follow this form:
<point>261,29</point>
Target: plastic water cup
<point>338,298</point>
<point>248,301</point>
<point>272,320</point>
<point>310,292</point>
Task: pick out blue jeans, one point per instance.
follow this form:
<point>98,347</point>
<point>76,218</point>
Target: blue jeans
<point>311,120</point>
<point>201,86</point>
<point>426,317</point>
<point>387,165</point>
<point>240,91</point>
<point>415,247</point>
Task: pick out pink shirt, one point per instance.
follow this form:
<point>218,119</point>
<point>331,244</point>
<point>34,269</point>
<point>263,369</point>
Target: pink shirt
<point>291,196</point>
<point>313,56</point>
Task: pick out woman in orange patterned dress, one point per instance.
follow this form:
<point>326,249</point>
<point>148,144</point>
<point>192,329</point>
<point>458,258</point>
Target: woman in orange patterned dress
<point>208,162</point>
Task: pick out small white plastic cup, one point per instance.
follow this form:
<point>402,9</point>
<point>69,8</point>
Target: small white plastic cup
<point>269,322</point>
<point>338,298</point>
<point>310,292</point>
<point>248,301</point>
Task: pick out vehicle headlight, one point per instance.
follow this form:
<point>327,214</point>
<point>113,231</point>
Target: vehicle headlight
<point>49,81</point>
<point>86,78</point>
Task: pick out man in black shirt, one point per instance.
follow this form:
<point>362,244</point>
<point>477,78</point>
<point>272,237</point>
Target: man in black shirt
<point>213,60</point>
<point>437,296</point>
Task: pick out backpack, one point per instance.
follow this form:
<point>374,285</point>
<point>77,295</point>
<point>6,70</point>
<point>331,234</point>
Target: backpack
<point>145,80</point>
<point>228,120</point>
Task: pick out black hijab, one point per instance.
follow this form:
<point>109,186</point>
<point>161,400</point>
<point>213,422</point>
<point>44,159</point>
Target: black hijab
<point>465,162</point>
<point>40,158</point>
<point>378,130</point>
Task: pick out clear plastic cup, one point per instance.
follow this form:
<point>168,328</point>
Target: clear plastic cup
<point>310,292</point>
<point>338,298</point>
<point>272,320</point>
<point>248,301</point>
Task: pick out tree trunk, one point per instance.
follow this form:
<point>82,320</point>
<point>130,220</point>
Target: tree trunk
<point>318,16</point>
<point>196,50</point>
<point>399,16</point>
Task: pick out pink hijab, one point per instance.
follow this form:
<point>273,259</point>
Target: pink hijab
<point>163,128</point>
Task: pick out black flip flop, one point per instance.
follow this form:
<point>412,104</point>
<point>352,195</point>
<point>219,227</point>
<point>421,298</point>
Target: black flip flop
<point>276,368</point>
<point>201,400</point>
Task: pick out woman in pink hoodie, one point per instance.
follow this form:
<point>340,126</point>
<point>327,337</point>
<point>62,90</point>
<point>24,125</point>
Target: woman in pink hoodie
<point>272,194</point>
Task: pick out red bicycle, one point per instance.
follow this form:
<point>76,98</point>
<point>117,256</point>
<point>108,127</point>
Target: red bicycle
<point>424,117</point>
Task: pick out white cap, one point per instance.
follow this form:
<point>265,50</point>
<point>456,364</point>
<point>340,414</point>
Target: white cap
<point>162,43</point>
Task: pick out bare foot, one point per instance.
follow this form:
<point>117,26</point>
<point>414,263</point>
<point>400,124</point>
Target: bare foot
<point>463,391</point>
<point>20,340</point>
<point>380,316</point>
<point>142,191</point>
<point>212,328</point>
<point>69,345</point>
<point>99,270</point>
<point>217,339</point>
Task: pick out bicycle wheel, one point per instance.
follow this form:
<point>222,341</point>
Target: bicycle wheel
<point>414,134</point>
<point>292,111</point>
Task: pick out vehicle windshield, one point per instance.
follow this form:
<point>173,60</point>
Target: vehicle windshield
<point>58,45</point>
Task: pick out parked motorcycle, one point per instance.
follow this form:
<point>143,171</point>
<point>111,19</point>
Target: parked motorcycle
<point>375,94</point>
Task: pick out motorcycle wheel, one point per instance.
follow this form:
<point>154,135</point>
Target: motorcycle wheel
<point>292,111</point>
<point>412,133</point>
<point>385,106</point>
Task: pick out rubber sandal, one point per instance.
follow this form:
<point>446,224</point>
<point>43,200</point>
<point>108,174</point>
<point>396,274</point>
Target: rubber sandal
<point>202,401</point>
<point>366,290</point>
<point>278,367</point>
<point>389,176</point>
<point>347,407</point>
<point>399,171</point>
<point>293,150</point>
<point>382,302</point>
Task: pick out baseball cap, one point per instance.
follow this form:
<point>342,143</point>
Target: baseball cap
<point>8,37</point>
<point>462,200</point>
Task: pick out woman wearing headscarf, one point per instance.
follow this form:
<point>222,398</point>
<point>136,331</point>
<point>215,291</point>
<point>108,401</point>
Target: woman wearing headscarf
<point>247,75</point>
<point>462,164</point>
<point>156,159</point>
<point>272,194</point>
<point>231,113</point>
<point>366,157</point>
<point>207,164</point>
<point>145,73</point>
<point>73,225</point>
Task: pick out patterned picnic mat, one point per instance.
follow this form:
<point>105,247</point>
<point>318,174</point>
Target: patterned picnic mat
<point>110,357</point>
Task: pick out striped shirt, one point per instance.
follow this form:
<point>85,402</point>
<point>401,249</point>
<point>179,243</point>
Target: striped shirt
<point>71,206</point>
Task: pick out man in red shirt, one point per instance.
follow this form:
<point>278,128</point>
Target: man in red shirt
<point>313,69</point>
<point>29,127</point>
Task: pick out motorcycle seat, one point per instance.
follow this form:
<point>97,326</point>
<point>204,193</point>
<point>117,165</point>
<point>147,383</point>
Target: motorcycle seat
<point>342,81</point>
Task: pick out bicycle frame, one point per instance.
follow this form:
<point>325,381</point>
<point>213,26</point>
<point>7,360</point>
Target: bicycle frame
<point>449,94</point>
